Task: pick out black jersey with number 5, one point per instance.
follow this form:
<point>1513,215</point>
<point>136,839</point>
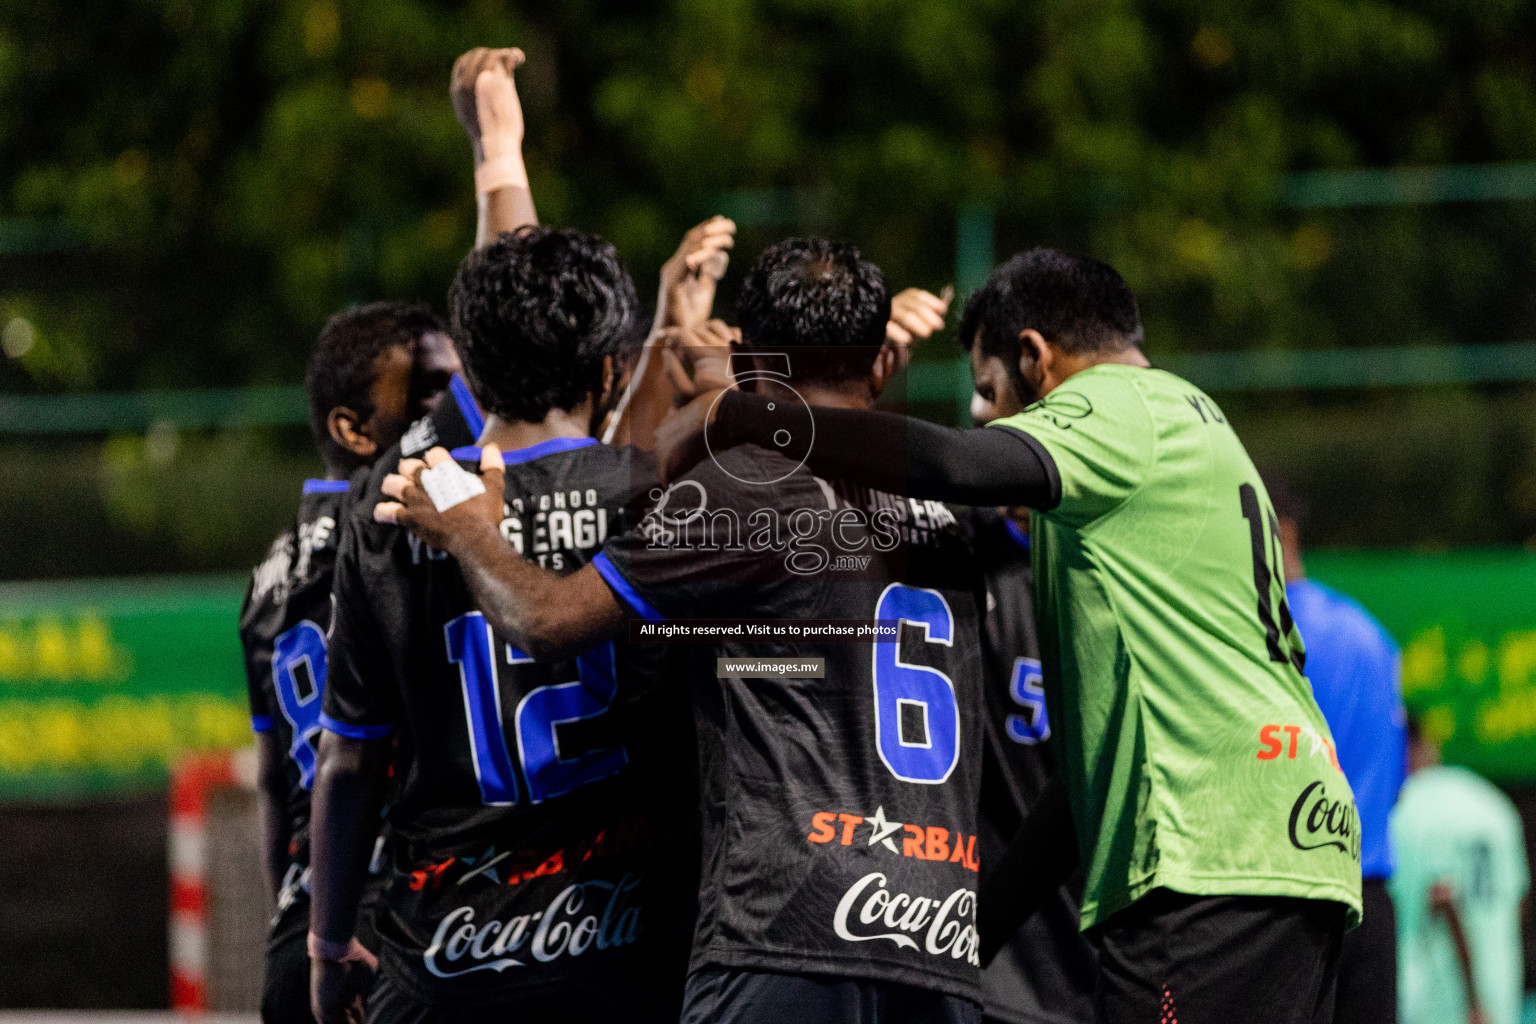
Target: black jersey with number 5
<point>839,833</point>
<point>1047,971</point>
<point>540,831</point>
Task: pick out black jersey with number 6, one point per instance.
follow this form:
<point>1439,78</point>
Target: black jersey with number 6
<point>839,833</point>
<point>540,833</point>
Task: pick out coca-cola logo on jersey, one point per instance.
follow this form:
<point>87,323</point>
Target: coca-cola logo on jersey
<point>869,911</point>
<point>583,917</point>
<point>1320,822</point>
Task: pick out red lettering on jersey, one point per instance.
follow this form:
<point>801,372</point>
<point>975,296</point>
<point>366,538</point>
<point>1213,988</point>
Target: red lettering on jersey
<point>912,842</point>
<point>1270,741</point>
<point>958,857</point>
<point>821,821</point>
<point>938,843</point>
<point>1292,731</point>
<point>971,860</point>
<point>849,821</point>
<point>434,873</point>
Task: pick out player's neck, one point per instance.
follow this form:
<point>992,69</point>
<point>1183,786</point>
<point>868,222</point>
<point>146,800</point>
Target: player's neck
<point>510,435</point>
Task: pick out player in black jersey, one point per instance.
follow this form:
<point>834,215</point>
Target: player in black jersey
<point>543,862</point>
<point>839,803</point>
<point>1045,974</point>
<point>374,368</point>
<point>362,382</point>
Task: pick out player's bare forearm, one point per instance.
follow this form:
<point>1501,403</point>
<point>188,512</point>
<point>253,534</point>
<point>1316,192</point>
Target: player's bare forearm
<point>348,793</point>
<point>1442,902</point>
<point>684,299</point>
<point>485,100</point>
<point>543,613</point>
<point>504,209</point>
<point>271,798</point>
<point>647,401</point>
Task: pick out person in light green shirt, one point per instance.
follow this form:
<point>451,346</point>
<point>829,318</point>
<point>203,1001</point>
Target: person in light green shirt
<point>1219,838</point>
<point>1459,888</point>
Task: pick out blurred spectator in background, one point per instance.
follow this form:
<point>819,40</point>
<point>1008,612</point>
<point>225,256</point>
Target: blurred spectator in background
<point>1460,890</point>
<point>1355,670</point>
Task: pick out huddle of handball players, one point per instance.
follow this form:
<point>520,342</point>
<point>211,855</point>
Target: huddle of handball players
<point>1043,785</point>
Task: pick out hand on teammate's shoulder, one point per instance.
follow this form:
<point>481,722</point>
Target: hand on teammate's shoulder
<point>450,512</point>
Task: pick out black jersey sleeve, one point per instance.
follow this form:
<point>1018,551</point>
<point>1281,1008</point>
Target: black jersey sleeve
<point>904,455</point>
<point>258,655</point>
<point>362,695</point>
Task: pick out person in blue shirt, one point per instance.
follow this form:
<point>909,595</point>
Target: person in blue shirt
<point>1355,670</point>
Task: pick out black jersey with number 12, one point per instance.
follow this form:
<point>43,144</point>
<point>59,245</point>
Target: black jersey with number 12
<point>540,835</point>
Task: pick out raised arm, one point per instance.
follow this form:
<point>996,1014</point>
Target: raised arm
<point>900,454</point>
<point>544,614</point>
<point>683,300</point>
<point>486,103</point>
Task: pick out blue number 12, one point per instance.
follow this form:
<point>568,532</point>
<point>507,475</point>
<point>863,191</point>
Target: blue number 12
<point>472,647</point>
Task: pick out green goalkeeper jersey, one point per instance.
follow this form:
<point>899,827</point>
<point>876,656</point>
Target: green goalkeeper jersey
<point>1194,753</point>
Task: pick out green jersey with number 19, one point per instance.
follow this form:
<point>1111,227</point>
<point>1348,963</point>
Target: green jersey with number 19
<point>1196,757</point>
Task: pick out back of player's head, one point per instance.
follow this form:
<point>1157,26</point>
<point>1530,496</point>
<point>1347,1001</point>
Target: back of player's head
<point>1287,503</point>
<point>534,314</point>
<point>1077,304</point>
<point>344,363</point>
<point>820,296</point>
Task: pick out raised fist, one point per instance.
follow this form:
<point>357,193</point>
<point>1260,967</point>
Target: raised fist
<point>485,101</point>
<point>689,278</point>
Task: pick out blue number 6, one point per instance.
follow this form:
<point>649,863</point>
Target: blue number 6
<point>298,676</point>
<point>899,684</point>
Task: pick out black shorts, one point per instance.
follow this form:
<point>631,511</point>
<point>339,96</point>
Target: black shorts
<point>738,996</point>
<point>285,982</point>
<point>1368,967</point>
<point>1170,958</point>
<point>388,1003</point>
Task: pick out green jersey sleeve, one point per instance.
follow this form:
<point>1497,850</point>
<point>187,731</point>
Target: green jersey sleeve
<point>1098,430</point>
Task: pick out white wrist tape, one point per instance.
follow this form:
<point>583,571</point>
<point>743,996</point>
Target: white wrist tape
<point>448,484</point>
<point>500,172</point>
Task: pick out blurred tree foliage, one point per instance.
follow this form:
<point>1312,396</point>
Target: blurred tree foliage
<point>211,178</point>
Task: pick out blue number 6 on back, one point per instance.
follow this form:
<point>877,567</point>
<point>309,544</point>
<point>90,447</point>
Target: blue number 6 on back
<point>929,755</point>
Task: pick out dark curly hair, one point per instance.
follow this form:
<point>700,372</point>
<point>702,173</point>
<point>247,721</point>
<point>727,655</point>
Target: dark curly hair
<point>534,313</point>
<point>1076,303</point>
<point>821,296</point>
<point>342,365</point>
